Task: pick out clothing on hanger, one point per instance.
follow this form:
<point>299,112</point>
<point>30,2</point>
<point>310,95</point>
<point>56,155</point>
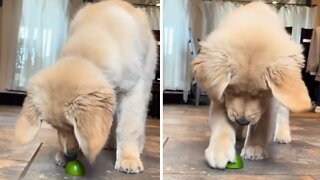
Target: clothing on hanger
<point>313,63</point>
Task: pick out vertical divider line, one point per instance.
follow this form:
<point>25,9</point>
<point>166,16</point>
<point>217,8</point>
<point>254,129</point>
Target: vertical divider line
<point>24,172</point>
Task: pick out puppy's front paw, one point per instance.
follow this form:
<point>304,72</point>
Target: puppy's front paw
<point>129,164</point>
<point>219,154</point>
<point>60,159</point>
<point>253,152</point>
<point>282,136</point>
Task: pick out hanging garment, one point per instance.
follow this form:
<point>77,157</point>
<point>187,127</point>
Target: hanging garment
<point>314,55</point>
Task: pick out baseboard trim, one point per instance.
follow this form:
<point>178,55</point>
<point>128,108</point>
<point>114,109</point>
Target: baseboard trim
<point>8,98</point>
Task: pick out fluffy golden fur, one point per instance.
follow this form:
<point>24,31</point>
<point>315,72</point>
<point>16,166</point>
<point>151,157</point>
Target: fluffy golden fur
<point>250,69</point>
<point>104,74</point>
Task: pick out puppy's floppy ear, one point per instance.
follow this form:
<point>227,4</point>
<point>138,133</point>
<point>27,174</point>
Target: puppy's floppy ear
<point>28,123</point>
<point>212,71</point>
<point>91,114</point>
<point>284,80</point>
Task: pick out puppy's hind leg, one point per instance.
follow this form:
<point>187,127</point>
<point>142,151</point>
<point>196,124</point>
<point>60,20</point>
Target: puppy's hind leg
<point>130,129</point>
<point>258,137</point>
<point>112,140</point>
<point>282,133</point>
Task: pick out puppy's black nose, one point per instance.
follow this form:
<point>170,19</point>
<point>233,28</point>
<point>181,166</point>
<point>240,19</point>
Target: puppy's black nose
<point>70,155</point>
<point>242,122</point>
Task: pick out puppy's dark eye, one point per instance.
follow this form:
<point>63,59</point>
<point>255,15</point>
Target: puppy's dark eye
<point>232,93</point>
<point>236,94</point>
<point>254,95</point>
<point>262,94</point>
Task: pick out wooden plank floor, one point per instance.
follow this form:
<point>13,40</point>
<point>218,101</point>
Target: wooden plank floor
<point>36,160</point>
<point>186,134</point>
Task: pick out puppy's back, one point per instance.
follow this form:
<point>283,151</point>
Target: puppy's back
<point>109,33</point>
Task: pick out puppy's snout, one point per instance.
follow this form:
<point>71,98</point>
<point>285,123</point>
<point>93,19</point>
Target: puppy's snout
<point>242,121</point>
<point>70,155</point>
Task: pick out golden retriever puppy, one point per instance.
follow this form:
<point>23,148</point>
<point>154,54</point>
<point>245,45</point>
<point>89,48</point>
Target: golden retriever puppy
<point>250,70</point>
<point>105,70</point>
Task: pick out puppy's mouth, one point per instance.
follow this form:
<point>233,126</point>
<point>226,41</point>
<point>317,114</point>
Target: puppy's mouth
<point>242,122</point>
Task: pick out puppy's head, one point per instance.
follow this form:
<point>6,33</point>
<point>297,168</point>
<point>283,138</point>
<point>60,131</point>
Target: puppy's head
<point>245,84</point>
<point>72,93</point>
<point>68,143</point>
<point>91,113</point>
<point>246,104</point>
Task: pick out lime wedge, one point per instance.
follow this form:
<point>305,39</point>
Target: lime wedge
<point>75,168</point>
<point>236,165</point>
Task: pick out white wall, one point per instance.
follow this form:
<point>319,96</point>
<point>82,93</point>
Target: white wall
<point>10,18</point>
<point>317,2</point>
<point>2,64</point>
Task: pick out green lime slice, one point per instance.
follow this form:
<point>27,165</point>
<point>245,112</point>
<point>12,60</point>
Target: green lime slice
<point>75,168</point>
<point>236,165</point>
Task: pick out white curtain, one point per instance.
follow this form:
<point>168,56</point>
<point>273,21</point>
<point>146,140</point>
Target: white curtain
<point>42,30</point>
<point>153,13</point>
<point>296,17</point>
<point>212,14</point>
<point>176,62</point>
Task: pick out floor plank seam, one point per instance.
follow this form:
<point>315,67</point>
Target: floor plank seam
<point>12,159</point>
<point>24,172</point>
<point>165,142</point>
